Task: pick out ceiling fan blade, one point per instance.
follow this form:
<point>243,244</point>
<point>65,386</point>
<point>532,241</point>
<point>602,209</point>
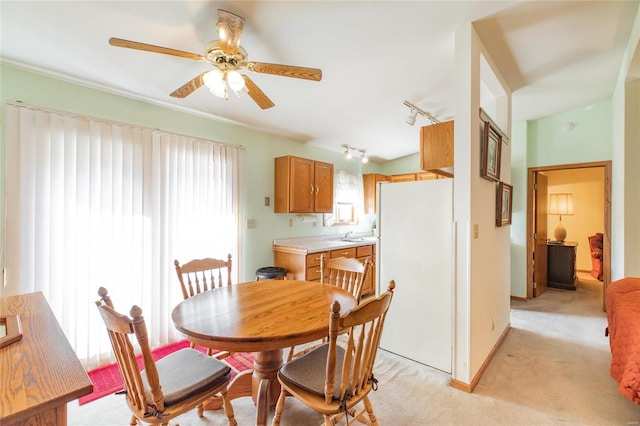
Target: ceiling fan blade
<point>256,94</point>
<point>189,87</point>
<point>229,31</point>
<point>314,74</point>
<point>118,42</point>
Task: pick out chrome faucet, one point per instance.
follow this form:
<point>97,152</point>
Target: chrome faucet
<point>348,235</point>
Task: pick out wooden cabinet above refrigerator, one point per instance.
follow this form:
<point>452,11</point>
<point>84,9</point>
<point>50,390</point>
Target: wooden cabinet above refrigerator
<point>436,148</point>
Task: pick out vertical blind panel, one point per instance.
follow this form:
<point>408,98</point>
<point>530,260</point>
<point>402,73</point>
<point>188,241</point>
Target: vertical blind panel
<point>106,204</point>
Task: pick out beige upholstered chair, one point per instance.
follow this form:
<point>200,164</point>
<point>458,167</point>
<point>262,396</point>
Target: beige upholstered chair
<point>345,272</point>
<point>332,379</point>
<point>200,275</point>
<point>170,386</point>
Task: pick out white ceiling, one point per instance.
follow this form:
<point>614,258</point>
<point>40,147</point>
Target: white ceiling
<point>555,56</point>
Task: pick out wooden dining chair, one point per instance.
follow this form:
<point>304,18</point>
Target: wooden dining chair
<point>170,386</point>
<point>200,275</point>
<point>332,379</point>
<point>349,274</point>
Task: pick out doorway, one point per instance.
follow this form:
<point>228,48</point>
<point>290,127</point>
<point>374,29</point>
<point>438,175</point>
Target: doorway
<point>535,250</point>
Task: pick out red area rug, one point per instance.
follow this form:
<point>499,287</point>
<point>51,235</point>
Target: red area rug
<point>107,379</point>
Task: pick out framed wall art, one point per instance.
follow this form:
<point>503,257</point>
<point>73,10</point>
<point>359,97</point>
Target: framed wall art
<point>504,203</point>
<point>490,152</point>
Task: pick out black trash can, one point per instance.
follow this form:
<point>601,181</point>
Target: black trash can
<point>271,273</point>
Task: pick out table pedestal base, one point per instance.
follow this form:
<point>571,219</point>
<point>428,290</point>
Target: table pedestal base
<point>261,385</point>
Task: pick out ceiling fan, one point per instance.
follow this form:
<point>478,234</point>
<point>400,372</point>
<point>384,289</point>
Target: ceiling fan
<point>227,57</point>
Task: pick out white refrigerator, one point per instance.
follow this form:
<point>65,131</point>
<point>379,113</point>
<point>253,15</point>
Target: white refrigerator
<point>415,248</point>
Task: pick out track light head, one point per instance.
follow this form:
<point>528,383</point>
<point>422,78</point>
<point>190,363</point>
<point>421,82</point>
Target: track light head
<point>347,152</point>
<point>411,120</point>
<point>363,157</point>
<point>415,111</point>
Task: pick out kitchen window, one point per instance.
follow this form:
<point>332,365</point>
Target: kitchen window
<point>348,205</point>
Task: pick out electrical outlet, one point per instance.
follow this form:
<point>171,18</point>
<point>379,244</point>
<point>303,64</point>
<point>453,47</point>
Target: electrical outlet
<point>267,201</point>
<point>251,223</point>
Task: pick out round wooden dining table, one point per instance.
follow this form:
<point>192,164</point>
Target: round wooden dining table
<point>261,317</point>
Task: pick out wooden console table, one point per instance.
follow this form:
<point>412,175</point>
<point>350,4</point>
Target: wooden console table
<point>39,373</point>
<point>561,265</point>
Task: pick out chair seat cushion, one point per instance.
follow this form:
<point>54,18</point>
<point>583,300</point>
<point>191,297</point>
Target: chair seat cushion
<point>309,370</point>
<point>187,372</point>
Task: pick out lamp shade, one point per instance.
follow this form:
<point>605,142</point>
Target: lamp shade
<point>561,204</point>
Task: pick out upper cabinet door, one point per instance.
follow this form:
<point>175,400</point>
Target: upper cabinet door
<point>302,189</point>
<point>323,187</point>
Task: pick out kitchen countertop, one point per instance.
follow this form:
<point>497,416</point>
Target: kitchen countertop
<point>330,242</point>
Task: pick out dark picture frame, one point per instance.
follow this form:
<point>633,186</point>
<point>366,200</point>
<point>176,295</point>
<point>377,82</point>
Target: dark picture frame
<point>504,204</point>
<point>490,152</point>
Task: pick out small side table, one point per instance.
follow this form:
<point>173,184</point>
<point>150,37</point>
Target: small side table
<point>561,265</point>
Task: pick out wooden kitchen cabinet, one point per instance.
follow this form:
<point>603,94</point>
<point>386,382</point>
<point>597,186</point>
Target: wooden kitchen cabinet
<point>301,265</point>
<point>404,177</point>
<point>436,148</point>
<point>428,176</point>
<point>362,253</point>
<point>370,185</point>
<point>312,267</point>
<point>303,186</point>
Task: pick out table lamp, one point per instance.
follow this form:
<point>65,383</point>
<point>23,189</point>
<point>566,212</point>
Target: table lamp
<point>560,204</point>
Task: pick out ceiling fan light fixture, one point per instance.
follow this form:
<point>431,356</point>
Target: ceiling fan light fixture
<point>213,78</point>
<point>219,90</point>
<point>227,56</point>
<point>235,80</point>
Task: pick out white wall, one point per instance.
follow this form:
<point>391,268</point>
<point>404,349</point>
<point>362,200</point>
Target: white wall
<point>632,178</point>
<point>482,278</point>
<point>518,232</point>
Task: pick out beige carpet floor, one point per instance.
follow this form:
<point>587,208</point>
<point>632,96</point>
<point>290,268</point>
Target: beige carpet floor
<point>552,369</point>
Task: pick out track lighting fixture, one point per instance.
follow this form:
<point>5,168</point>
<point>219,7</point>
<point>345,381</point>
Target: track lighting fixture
<point>348,155</point>
<point>411,120</point>
<point>415,111</point>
